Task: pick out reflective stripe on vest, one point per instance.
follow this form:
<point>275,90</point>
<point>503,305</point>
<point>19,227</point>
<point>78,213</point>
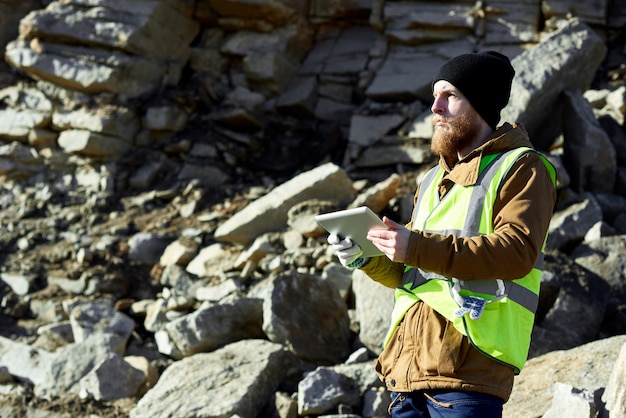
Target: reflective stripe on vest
<point>503,332</point>
<point>524,297</point>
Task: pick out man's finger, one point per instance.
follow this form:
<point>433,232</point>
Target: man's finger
<point>391,224</point>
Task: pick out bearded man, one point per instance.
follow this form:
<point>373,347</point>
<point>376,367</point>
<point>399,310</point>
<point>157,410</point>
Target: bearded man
<point>467,267</point>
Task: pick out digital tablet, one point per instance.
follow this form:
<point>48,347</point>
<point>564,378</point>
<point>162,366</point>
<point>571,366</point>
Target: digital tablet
<point>354,224</point>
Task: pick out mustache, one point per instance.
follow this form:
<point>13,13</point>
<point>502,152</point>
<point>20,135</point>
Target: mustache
<point>437,119</point>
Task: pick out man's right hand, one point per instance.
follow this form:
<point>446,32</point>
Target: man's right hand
<point>393,242</point>
<point>347,252</point>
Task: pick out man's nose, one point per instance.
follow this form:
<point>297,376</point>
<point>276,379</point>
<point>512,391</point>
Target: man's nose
<point>437,106</point>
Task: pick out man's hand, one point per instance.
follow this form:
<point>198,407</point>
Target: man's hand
<point>349,254</point>
<point>393,242</point>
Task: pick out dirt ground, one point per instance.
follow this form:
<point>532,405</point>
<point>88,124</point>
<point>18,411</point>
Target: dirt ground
<point>25,404</point>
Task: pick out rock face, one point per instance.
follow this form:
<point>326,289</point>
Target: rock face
<point>117,47</point>
<point>161,163</point>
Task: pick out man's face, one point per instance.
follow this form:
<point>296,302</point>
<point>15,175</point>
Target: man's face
<point>456,123</point>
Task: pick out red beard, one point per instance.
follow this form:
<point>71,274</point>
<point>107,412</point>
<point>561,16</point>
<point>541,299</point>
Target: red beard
<point>456,135</point>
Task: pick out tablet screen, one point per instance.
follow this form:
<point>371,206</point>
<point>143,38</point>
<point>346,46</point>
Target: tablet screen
<point>354,224</point>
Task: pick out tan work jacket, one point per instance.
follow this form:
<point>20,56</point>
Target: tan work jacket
<point>426,352</point>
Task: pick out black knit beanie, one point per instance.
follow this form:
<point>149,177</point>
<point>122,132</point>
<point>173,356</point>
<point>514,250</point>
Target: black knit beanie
<point>484,78</point>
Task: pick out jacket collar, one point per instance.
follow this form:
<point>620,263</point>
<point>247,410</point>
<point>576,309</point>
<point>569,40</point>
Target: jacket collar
<point>508,136</point>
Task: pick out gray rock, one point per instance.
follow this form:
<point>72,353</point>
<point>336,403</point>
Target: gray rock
<point>299,97</point>
<point>350,52</point>
<point>376,402</point>
<point>216,293</point>
<point>257,249</point>
<point>612,205</point>
<point>374,303</point>
<point>112,378</point>
<point>569,402</point>
<point>393,154</point>
<point>362,373</point>
<point>76,286</point>
<point>616,134</point>
<point>615,393</point>
<point>410,23</point>
<point>269,213</point>
<point>405,74</point>
<point>17,124</point>
<point>165,118</point>
<point>569,226</point>
<point>99,317</point>
<point>599,230</point>
<point>210,260</point>
<point>571,308</point>
<point>19,283</point>
<point>81,368</point>
<point>578,367</point>
<point>147,248</point>
<point>23,362</point>
<point>179,281</point>
<point>127,73</point>
<point>315,328</point>
<point>517,25</point>
<point>17,162</point>
<point>91,144</point>
<point>367,129</point>
<point>209,328</point>
<point>209,176</point>
<point>140,35</point>
<point>53,336</point>
<point>327,109</point>
<point>240,378</point>
<point>116,121</point>
<point>592,13</point>
<point>378,196</point>
<point>543,72</point>
<point>589,154</point>
<point>339,10</point>
<point>269,61</point>
<point>301,217</point>
<point>340,277</point>
<point>178,253</point>
<point>606,257</point>
<point>88,74</point>
<point>324,389</point>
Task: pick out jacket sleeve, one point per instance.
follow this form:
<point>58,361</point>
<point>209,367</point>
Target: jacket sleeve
<point>522,215</point>
<point>384,271</point>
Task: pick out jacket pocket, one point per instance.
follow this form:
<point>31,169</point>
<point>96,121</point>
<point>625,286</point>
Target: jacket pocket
<point>453,351</point>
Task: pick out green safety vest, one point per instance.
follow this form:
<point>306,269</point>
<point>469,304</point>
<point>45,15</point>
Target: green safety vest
<point>503,331</point>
